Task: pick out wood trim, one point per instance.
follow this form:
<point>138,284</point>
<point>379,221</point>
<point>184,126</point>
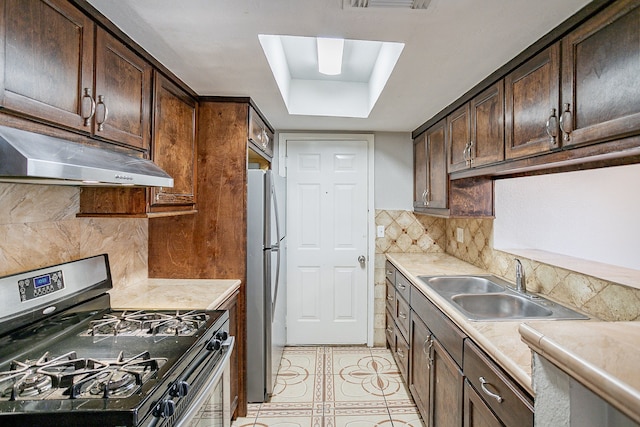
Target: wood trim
<point>551,37</point>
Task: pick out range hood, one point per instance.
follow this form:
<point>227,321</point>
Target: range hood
<point>40,159</point>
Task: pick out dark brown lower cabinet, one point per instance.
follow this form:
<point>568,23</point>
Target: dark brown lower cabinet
<point>420,376</point>
<point>447,381</point>
<point>476,412</point>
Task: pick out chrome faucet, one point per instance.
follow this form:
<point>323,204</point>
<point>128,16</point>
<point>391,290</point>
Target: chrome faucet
<point>521,281</point>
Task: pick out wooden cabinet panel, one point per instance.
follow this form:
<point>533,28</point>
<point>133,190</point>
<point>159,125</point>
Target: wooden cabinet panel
<point>174,143</point>
<point>402,317</point>
<point>487,126</point>
<point>437,176</point>
<point>391,298</point>
<point>420,171</point>
<point>600,83</point>
<point>459,136</point>
<point>476,412</point>
<point>402,356</point>
<point>390,331</point>
<point>122,93</point>
<point>260,135</point>
<point>48,61</point>
<point>532,97</point>
<point>511,405</point>
<point>420,366</point>
<point>447,392</point>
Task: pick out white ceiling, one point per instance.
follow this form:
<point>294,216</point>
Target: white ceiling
<point>212,45</point>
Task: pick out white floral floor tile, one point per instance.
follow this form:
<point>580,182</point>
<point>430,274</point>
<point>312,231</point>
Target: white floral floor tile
<point>336,387</point>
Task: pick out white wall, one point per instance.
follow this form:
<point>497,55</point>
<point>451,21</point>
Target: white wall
<point>586,214</point>
<point>393,168</point>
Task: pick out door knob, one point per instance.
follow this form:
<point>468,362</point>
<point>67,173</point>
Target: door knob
<point>361,260</point>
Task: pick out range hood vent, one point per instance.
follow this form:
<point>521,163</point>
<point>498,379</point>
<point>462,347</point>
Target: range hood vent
<point>40,159</point>
<point>403,4</point>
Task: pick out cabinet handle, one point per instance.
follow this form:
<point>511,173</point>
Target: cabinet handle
<point>552,127</point>
<point>402,315</point>
<point>465,154</point>
<point>424,198</point>
<point>389,272</point>
<point>483,383</point>
<point>470,156</point>
<point>400,353</point>
<point>401,286</point>
<point>390,330</point>
<point>104,115</point>
<point>265,139</point>
<point>566,122</point>
<point>427,199</point>
<point>92,104</point>
<point>390,298</point>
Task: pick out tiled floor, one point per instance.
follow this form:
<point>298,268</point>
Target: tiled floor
<point>336,387</point>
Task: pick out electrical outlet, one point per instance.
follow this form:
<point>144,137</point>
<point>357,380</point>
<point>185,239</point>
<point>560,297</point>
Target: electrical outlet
<point>459,235</point>
<point>380,231</point>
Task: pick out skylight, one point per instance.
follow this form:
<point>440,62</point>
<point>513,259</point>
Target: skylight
<point>366,67</point>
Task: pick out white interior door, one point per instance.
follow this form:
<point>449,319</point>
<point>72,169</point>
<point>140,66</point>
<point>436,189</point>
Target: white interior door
<point>327,223</point>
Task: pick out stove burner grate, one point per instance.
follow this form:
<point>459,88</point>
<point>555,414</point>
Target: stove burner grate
<point>143,323</point>
<point>76,378</point>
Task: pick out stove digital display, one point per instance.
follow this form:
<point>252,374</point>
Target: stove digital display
<point>41,281</point>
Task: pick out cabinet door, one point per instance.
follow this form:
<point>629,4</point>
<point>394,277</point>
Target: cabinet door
<point>487,126</point>
<point>420,172</point>
<point>437,177</point>
<point>476,412</point>
<point>532,94</point>
<point>48,61</point>
<point>402,356</point>
<point>420,366</point>
<point>446,389</point>
<point>600,76</point>
<point>122,94</point>
<point>458,135</point>
<point>174,143</point>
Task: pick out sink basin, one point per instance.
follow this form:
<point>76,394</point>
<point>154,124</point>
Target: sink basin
<point>490,298</point>
<point>462,284</point>
<point>500,306</point>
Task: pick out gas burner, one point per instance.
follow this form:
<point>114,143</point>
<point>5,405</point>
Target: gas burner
<point>26,379</point>
<point>68,377</point>
<point>141,323</point>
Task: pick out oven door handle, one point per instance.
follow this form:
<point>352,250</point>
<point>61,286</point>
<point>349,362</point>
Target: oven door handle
<point>204,393</point>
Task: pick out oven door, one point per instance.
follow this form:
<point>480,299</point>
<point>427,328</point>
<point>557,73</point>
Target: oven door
<point>212,407</point>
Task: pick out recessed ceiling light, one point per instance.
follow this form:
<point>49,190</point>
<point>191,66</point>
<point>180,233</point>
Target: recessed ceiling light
<point>330,55</point>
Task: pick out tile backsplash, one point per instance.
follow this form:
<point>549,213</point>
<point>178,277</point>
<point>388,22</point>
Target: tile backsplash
<point>39,227</point>
<point>409,232</point>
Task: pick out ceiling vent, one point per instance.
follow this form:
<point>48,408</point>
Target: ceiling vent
<point>402,4</point>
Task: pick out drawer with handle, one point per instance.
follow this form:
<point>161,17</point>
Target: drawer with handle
<point>511,404</point>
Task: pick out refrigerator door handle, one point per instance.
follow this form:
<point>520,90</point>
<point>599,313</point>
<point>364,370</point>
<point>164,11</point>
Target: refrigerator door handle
<point>276,248</point>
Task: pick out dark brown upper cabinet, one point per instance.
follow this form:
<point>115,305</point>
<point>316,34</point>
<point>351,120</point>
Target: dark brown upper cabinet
<point>51,66</point>
<point>532,98</point>
<point>430,169</point>
<point>48,61</point>
<point>122,94</point>
<point>174,144</point>
<point>459,135</point>
<point>601,77</point>
<point>476,130</point>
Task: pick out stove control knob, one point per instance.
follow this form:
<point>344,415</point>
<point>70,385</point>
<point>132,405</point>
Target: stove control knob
<point>179,389</point>
<point>164,409</point>
<point>214,345</point>
<point>222,335</point>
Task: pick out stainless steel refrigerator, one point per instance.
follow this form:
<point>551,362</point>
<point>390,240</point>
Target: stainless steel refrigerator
<point>266,287</point>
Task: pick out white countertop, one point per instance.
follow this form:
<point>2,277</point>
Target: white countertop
<point>174,294</point>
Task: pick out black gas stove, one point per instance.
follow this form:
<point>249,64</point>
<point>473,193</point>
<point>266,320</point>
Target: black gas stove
<point>67,358</point>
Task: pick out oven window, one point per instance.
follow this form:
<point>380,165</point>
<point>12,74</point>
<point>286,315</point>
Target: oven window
<point>211,412</point>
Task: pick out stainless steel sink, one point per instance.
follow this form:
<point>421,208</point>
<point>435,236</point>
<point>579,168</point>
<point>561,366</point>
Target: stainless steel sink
<point>498,306</point>
<point>490,298</point>
<point>462,284</point>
